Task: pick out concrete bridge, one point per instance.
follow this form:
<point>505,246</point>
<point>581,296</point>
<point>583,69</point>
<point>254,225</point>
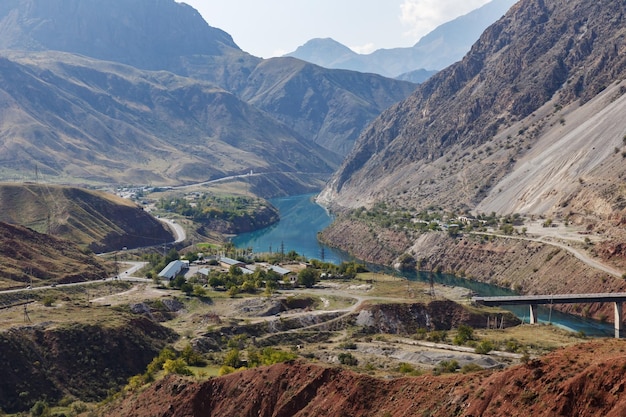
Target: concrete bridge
<point>534,300</point>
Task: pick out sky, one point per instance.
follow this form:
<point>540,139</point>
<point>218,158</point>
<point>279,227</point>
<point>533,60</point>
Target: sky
<point>268,28</point>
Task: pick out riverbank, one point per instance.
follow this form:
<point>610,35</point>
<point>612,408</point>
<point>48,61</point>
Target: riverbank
<point>528,266</point>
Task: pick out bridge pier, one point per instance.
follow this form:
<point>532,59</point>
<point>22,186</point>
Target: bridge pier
<point>534,318</point>
<point>618,319</point>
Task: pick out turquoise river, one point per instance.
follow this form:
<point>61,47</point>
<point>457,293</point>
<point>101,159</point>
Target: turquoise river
<point>301,219</point>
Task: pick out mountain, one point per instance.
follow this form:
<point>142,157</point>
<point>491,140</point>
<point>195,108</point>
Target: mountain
<point>89,219</point>
<point>165,35</point>
<point>330,107</point>
<point>443,46</point>
<point>147,34</point>
<point>530,121</point>
<point>77,118</point>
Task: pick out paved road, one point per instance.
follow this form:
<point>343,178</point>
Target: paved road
<point>179,232</point>
<point>125,275</point>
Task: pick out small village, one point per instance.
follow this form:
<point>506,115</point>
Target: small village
<point>200,270</point>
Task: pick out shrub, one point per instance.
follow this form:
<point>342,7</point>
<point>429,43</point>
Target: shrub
<point>48,300</point>
<point>484,347</point>
<point>471,367</point>
<point>407,368</point>
<point>40,408</point>
<point>437,336</point>
<point>348,359</point>
<point>446,367</point>
<point>176,366</point>
<point>232,358</point>
<point>225,370</point>
<point>464,333</point>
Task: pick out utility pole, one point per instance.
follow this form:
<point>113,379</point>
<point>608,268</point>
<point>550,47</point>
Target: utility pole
<point>431,280</point>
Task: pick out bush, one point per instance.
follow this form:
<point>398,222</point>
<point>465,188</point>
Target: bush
<point>348,359</point>
<point>176,366</point>
<point>464,333</point>
<point>446,367</point>
<point>484,347</point>
<point>232,359</point>
<point>471,367</point>
<point>225,370</point>
<point>40,408</point>
<point>407,368</point>
<point>437,336</point>
<point>48,300</point>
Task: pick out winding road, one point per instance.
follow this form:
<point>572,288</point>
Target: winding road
<point>179,232</point>
<point>547,240</point>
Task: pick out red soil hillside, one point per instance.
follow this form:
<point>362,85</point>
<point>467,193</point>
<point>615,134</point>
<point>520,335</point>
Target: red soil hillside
<point>584,380</point>
<point>28,257</point>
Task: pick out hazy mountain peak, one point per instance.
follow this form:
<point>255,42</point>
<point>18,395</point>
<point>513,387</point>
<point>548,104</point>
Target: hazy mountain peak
<point>323,50</point>
<point>148,34</point>
<point>443,46</point>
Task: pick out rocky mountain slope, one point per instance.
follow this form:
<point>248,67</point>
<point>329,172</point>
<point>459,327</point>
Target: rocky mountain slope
<point>76,118</point>
<point>95,220</point>
<point>435,51</point>
<point>173,37</point>
<point>586,379</point>
<point>527,122</point>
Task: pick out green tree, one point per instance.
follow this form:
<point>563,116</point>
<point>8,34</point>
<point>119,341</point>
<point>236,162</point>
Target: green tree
<point>307,277</point>
<point>464,333</point>
<point>235,271</point>
<point>232,359</point>
<point>191,357</point>
<point>176,366</point>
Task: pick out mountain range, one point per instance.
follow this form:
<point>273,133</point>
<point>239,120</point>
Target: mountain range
<point>443,46</point>
<point>144,92</point>
<point>530,121</point>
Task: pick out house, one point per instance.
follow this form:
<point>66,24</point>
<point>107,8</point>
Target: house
<point>280,271</point>
<point>173,269</point>
<point>228,262</point>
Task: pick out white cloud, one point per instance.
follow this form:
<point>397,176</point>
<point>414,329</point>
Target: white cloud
<point>422,16</point>
<point>368,48</point>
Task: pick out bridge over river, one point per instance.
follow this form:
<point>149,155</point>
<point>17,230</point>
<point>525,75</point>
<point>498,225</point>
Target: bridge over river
<point>534,300</point>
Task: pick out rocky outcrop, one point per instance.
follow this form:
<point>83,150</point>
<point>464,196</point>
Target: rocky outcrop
<point>585,379</point>
<point>407,319</point>
<point>372,243</point>
<point>530,267</point>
